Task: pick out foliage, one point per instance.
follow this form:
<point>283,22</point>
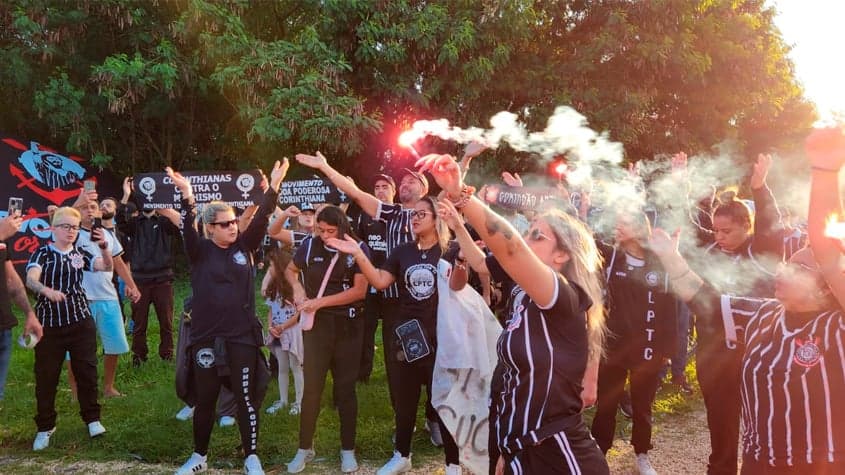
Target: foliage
<point>201,84</point>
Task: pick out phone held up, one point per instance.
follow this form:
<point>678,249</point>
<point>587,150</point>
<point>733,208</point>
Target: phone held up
<point>15,206</point>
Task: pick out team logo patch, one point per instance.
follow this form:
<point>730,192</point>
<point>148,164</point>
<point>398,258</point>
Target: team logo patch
<point>350,261</point>
<point>77,261</point>
<point>652,278</point>
<point>421,281</point>
<point>205,358</point>
<point>239,258</point>
<point>808,353</point>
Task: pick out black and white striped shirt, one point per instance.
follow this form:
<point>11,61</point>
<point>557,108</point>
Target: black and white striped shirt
<point>62,271</point>
<point>793,382</point>
<point>399,232</point>
<point>542,356</point>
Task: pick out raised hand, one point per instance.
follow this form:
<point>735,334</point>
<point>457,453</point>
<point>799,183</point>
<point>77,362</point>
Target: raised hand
<point>662,244</point>
<point>825,148</point>
<point>761,171</point>
<point>474,149</point>
<point>313,161</point>
<point>280,170</point>
<point>292,211</point>
<point>180,182</point>
<point>449,214</point>
<point>10,225</point>
<point>512,180</point>
<point>347,245</point>
<point>127,187</point>
<point>445,171</point>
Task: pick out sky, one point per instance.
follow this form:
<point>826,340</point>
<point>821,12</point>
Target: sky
<point>816,31</point>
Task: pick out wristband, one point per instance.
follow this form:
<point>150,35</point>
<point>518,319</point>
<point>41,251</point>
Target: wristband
<point>462,199</point>
<point>102,245</point>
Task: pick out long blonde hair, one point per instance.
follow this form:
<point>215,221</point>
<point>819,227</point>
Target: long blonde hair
<point>583,268</point>
<point>440,226</point>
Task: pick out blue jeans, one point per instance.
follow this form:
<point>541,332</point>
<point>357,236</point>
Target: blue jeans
<point>5,357</point>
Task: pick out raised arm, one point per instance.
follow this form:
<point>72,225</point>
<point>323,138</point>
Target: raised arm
<point>190,233</point>
<point>768,227</point>
<point>525,268</point>
<point>253,236</point>
<point>473,254</point>
<point>276,230</point>
<point>378,278</point>
<point>105,262</point>
<point>826,151</point>
<point>368,203</point>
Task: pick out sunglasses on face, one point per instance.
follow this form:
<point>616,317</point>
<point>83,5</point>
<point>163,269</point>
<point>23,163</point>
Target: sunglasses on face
<point>420,214</point>
<point>225,224</point>
<point>67,227</point>
<point>535,235</point>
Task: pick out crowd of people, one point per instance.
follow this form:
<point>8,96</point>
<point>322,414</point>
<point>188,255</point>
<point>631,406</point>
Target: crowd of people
<point>588,317</point>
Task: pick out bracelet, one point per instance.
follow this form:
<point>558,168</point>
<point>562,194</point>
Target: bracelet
<point>103,246</point>
<point>823,169</point>
<point>683,274</point>
<point>461,201</point>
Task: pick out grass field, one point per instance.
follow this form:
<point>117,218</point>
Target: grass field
<point>142,428</point>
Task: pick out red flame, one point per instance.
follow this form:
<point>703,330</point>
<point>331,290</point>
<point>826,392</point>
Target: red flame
<point>408,138</point>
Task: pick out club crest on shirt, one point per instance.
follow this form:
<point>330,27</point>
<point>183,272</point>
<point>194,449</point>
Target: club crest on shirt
<point>350,261</point>
<point>652,278</point>
<point>76,260</point>
<point>421,281</point>
<point>808,353</point>
<point>239,258</point>
<point>205,358</point>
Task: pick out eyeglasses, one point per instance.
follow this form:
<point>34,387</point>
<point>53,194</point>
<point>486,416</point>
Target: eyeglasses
<point>226,224</point>
<point>420,214</point>
<point>535,235</point>
<point>67,227</point>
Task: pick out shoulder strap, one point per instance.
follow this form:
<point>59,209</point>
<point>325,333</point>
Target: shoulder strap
<point>328,274</point>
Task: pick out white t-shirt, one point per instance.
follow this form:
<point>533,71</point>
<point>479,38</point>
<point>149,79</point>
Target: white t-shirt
<point>98,285</point>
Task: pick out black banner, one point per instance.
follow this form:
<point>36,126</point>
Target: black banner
<point>237,189</point>
<point>41,177</point>
<point>518,198</point>
<point>311,190</point>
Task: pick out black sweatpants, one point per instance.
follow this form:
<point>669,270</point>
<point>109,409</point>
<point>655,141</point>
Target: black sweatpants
<point>239,374</point>
<point>80,340</point>
<point>334,343</point>
<point>160,295</point>
<point>406,381</point>
<point>568,452</point>
<point>373,311</point>
<point>645,378</point>
<point>718,371</point>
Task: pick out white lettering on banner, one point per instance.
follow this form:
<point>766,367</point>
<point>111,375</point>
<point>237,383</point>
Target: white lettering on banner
<point>649,316</point>
<point>647,354</point>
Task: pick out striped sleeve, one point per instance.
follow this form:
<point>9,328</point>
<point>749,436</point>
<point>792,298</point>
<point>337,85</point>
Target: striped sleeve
<point>737,312</point>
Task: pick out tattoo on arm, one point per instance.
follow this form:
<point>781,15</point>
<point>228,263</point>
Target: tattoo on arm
<point>34,286</point>
<point>18,295</point>
<point>495,224</point>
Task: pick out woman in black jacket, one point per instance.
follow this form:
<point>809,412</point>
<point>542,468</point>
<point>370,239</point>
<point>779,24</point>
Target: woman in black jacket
<point>226,335</point>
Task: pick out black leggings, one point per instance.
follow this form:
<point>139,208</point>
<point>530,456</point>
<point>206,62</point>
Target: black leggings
<point>239,374</point>
<point>333,344</point>
<point>406,382</point>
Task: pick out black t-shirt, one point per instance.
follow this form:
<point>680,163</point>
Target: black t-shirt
<point>374,233</point>
<point>313,259</point>
<point>415,271</point>
<point>7,318</point>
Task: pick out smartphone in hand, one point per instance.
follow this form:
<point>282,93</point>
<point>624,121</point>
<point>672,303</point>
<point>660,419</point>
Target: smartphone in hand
<point>15,206</point>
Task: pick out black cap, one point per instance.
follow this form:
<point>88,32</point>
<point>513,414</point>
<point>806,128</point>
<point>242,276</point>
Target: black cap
<point>383,177</point>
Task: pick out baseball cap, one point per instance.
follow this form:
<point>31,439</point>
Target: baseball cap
<point>419,176</point>
<point>307,207</point>
<point>387,178</point>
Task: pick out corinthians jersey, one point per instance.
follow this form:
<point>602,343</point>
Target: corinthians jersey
<point>793,382</point>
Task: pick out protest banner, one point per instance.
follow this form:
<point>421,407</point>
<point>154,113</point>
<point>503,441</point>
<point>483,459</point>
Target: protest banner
<point>312,190</point>
<point>40,176</point>
<point>238,189</point>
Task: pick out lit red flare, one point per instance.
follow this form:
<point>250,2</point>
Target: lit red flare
<point>408,138</point>
<point>835,229</point>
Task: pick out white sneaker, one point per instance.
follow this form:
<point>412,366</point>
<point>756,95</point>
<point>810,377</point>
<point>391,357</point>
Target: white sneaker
<point>644,465</point>
<point>185,413</point>
<point>434,430</point>
<point>227,421</point>
<point>348,464</point>
<point>252,466</point>
<point>196,464</point>
<point>42,439</point>
<point>95,429</point>
<point>302,457</point>
<point>278,405</point>
<point>398,464</point>
<point>294,409</point>
<point>452,469</point>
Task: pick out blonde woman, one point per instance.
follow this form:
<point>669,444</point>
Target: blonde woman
<point>555,328</point>
<point>54,275</point>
